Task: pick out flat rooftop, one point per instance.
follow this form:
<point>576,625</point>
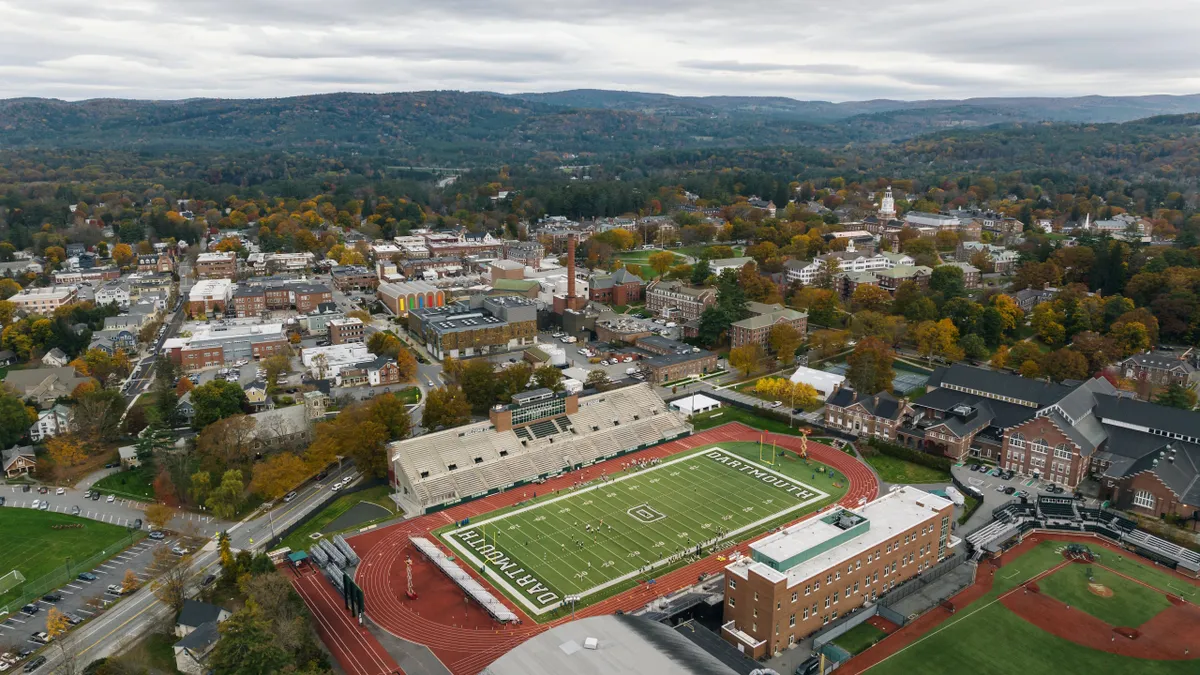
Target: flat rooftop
<point>888,516</point>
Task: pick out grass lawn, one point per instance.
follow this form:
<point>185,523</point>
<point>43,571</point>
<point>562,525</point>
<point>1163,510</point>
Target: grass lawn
<point>300,539</point>
<point>985,638</point>
<point>409,395</point>
<point>156,651</point>
<point>859,638</point>
<point>1131,603</point>
<point>716,418</point>
<point>36,550</point>
<point>896,470</point>
<point>642,258</point>
<point>652,519</point>
<point>132,484</point>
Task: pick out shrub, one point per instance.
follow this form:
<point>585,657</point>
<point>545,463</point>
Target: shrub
<point>909,455</point>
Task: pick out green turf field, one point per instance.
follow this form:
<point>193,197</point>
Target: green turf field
<point>642,523</point>
<point>859,638</point>
<point>985,638</point>
<point>31,546</point>
<point>1131,604</point>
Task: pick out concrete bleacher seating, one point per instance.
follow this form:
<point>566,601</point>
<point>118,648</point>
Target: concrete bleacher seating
<point>483,459</point>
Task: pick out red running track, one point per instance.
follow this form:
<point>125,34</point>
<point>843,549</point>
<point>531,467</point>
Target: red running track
<point>465,638</point>
<point>358,652</point>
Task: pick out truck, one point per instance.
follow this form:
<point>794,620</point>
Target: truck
<point>632,370</point>
<point>955,496</point>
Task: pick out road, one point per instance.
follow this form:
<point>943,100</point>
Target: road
<point>142,373</point>
<point>128,620</point>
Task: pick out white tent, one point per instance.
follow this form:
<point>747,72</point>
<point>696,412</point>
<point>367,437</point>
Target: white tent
<point>825,383</point>
<point>696,403</point>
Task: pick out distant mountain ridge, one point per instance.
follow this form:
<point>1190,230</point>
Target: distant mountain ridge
<point>1066,109</point>
<point>478,128</point>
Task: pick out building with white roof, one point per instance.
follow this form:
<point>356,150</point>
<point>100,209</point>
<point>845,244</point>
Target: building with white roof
<point>799,579</point>
<point>825,383</point>
<point>696,403</point>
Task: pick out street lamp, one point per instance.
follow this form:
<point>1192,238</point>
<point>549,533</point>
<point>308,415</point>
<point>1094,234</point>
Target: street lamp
<point>572,599</point>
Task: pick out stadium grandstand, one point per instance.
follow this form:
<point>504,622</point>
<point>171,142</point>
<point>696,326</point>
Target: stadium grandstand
<point>541,433</point>
<point>1015,519</point>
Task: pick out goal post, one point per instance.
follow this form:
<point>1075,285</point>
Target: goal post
<point>10,581</point>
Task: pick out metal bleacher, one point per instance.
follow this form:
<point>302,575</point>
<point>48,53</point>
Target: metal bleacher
<point>523,434</point>
<point>1185,558</point>
<point>1058,508</point>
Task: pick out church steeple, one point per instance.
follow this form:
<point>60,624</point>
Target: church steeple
<point>887,208</point>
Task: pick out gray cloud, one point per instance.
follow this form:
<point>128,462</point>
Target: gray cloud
<point>808,49</point>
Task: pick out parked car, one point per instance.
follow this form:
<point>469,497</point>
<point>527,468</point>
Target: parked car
<point>775,404</point>
<point>1010,490</point>
<point>208,580</point>
<point>75,510</point>
<point>111,499</point>
<point>37,504</point>
<point>73,619</point>
<point>137,524</point>
<point>1,500</point>
<point>87,495</point>
<point>45,504</point>
<point>336,487</point>
<point>115,589</point>
<point>30,609</point>
<point>95,496</point>
<point>974,467</point>
<point>52,597</point>
<point>179,550</point>
<point>43,490</point>
<point>35,664</point>
<point>1000,488</point>
<point>156,534</point>
<point>60,491</point>
<point>86,576</point>
<point>810,666</point>
<point>40,637</point>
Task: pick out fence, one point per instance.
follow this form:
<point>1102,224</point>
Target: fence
<point>36,588</point>
<point>918,583</point>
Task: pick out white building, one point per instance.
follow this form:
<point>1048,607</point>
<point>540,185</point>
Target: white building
<point>721,264</point>
<point>935,220</point>
<point>887,207</point>
<point>113,291</point>
<point>207,294</point>
<point>327,362</point>
<point>825,383</point>
<point>846,261</point>
<point>52,422</point>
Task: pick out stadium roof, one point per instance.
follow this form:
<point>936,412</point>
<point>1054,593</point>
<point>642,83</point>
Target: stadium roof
<point>624,644</point>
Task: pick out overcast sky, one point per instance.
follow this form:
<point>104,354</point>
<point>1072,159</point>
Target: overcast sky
<point>806,49</point>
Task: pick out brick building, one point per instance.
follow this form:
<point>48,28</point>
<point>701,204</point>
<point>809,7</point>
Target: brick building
<point>156,262</point>
<point>345,331</point>
<point>528,253</point>
<point>482,325</point>
<point>403,296</point>
<point>757,328</point>
<point>1160,369</point>
<point>676,300</point>
<point>217,266</point>
<point>972,277</point>
<point>354,278</point>
<point>619,288</point>
<point>214,345</point>
<point>801,578</point>
<point>877,415</point>
<point>673,360</point>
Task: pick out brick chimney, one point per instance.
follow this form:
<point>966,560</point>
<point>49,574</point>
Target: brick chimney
<point>570,267</point>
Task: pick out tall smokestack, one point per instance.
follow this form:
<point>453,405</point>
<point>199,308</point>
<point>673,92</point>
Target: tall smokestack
<point>570,266</point>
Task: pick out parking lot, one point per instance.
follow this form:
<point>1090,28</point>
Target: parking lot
<point>120,511</point>
<point>85,599</point>
<point>996,488</point>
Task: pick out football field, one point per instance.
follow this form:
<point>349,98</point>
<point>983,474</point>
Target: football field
<point>614,532</point>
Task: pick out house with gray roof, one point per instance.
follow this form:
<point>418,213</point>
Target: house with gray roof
<point>18,461</point>
<point>44,385</point>
<point>1160,369</point>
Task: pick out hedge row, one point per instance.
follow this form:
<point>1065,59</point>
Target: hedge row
<point>909,455</point>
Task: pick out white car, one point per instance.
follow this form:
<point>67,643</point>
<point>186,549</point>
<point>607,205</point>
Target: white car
<point>60,491</point>
<point>627,359</point>
<point>775,404</point>
<point>37,504</point>
<point>112,498</point>
<point>336,487</point>
<point>582,351</point>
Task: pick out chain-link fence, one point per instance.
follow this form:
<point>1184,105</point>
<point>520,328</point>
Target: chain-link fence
<point>31,589</point>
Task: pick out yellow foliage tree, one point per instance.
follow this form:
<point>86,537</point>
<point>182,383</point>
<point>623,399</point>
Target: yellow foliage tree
<point>122,254</point>
<point>277,475</point>
<point>746,358</point>
<point>66,450</point>
<point>130,582</point>
<point>158,515</point>
<point>57,624</point>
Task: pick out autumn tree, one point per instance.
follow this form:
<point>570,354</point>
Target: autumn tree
<point>228,440</point>
<point>784,340</point>
<point>890,329</point>
<point>122,254</point>
<point>274,366</point>
<point>746,358</point>
<point>828,342</point>
<point>548,377</point>
<point>8,288</point>
<point>870,366</point>
<point>1047,324</point>
<point>1065,364</point>
<point>938,338</point>
<point>158,515</point>
<point>384,344</point>
<point>445,407</point>
<point>277,475</point>
<point>226,498</point>
<point>66,450</point>
<point>170,587</point>
<point>662,261</point>
<point>597,379</point>
<point>130,582</point>
<point>870,297</point>
<point>1177,396</point>
<point>57,624</point>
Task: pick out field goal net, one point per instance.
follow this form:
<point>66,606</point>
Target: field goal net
<point>10,581</point>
